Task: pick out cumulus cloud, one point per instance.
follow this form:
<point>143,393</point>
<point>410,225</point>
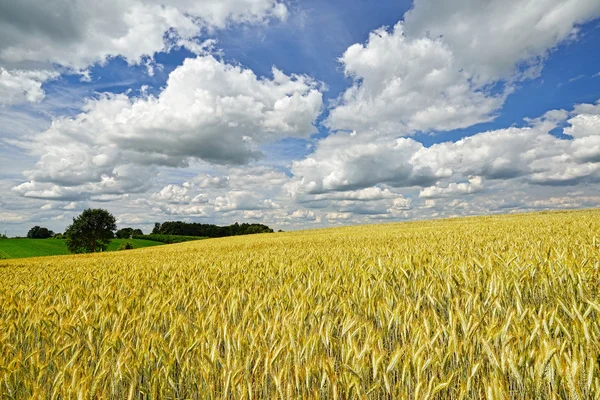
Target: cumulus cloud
<point>63,35</point>
<point>304,215</point>
<point>445,65</point>
<point>344,162</point>
<point>19,86</point>
<point>337,216</point>
<point>175,194</point>
<point>11,218</point>
<point>210,181</point>
<point>501,38</point>
<point>120,181</point>
<point>239,200</point>
<point>347,162</point>
<point>474,185</point>
<point>77,35</point>
<point>368,194</point>
<point>451,64</point>
<point>403,85</point>
<point>209,110</point>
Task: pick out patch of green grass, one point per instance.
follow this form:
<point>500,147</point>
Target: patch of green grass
<point>169,239</point>
<point>23,248</point>
<point>19,248</point>
<point>137,243</point>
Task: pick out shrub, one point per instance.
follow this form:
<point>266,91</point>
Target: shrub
<point>126,246</point>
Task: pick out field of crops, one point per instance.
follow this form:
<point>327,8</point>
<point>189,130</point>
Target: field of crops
<point>494,307</point>
<point>20,248</point>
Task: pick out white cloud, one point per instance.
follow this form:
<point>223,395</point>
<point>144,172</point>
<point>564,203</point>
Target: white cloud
<point>19,86</point>
<point>403,85</point>
<point>565,202</point>
<point>182,210</point>
<point>336,216</point>
<point>586,123</point>
<point>368,194</point>
<point>500,38</point>
<point>451,64</point>
<point>209,181</point>
<point>401,203</point>
<point>576,78</point>
<point>174,194</point>
<point>11,218</point>
<point>257,178</point>
<point>131,219</point>
<point>71,206</point>
<point>474,185</point>
<point>61,35</point>
<point>120,182</point>
<point>243,201</point>
<point>345,162</point>
<point>208,111</point>
<point>304,215</point>
<point>446,65</point>
<point>88,32</point>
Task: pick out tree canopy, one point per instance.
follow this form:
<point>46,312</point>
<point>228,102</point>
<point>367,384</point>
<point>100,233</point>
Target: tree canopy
<point>90,232</point>
<point>126,233</point>
<point>208,230</point>
<point>38,232</point>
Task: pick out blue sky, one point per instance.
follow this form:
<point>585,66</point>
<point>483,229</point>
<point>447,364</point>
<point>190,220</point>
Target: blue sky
<point>360,125</point>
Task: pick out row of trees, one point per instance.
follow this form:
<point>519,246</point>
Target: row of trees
<point>93,230</point>
<point>38,232</point>
<point>128,233</point>
<point>208,230</point>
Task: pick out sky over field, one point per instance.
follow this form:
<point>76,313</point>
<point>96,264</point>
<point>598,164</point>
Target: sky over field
<point>296,114</point>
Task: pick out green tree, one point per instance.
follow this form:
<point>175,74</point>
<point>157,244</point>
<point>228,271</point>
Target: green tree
<point>39,233</point>
<point>124,233</point>
<point>92,231</point>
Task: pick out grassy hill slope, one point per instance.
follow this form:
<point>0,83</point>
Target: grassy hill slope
<point>22,248</point>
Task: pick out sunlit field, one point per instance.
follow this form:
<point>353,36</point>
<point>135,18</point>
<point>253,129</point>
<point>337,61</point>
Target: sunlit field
<point>491,307</point>
<point>23,248</point>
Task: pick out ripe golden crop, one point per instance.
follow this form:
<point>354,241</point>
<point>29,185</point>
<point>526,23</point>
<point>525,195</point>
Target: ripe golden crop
<point>491,307</point>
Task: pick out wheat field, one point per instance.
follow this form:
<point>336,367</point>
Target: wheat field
<point>501,307</point>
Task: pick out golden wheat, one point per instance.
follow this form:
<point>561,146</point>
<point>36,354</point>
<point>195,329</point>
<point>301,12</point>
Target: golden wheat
<point>503,307</point>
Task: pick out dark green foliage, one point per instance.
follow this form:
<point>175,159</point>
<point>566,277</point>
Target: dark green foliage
<point>126,246</point>
<point>169,239</point>
<point>124,233</point>
<point>208,230</point>
<point>3,236</point>
<point>92,231</point>
<point>156,229</point>
<point>127,233</point>
<point>39,233</point>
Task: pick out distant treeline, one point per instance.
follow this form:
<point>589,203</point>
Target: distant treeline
<point>208,230</point>
<point>168,239</point>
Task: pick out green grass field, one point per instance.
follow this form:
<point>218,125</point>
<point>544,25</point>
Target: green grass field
<point>22,248</point>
